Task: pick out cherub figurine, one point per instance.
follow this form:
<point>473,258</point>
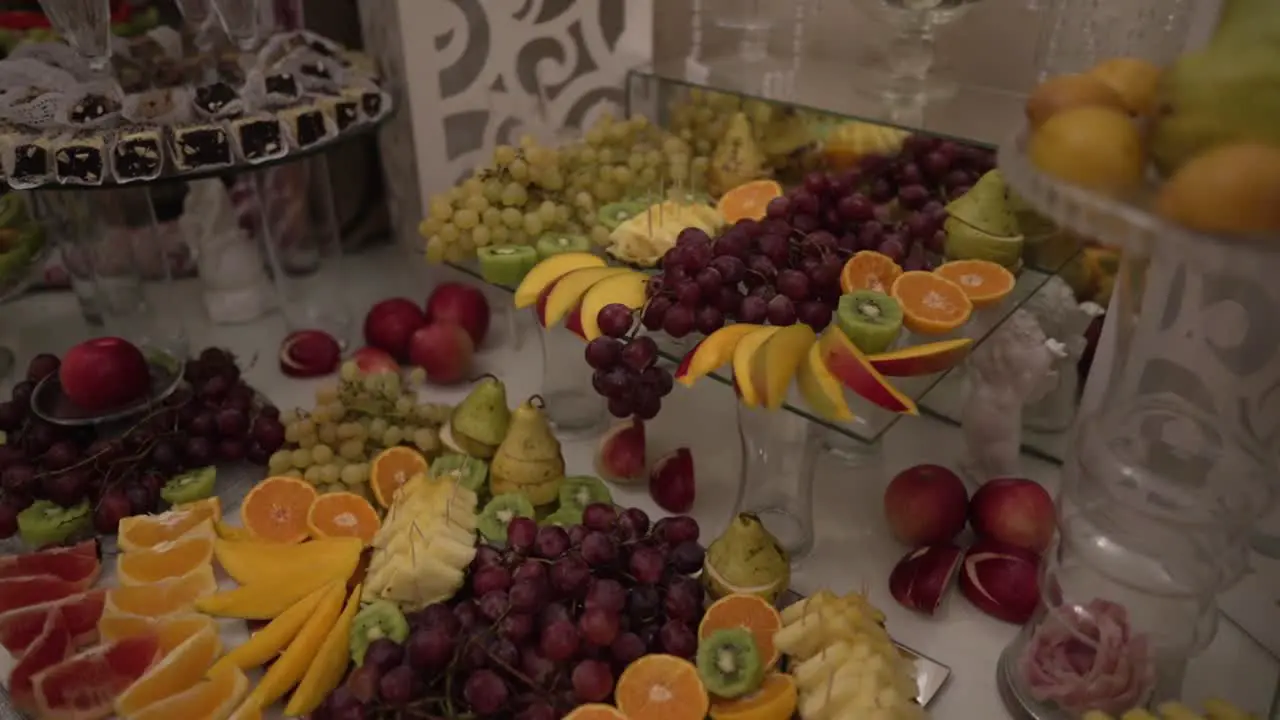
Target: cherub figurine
<point>1013,367</point>
<point>1065,321</point>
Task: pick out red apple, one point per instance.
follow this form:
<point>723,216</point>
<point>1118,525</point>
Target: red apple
<point>1001,581</point>
<point>620,456</point>
<point>444,350</point>
<point>462,305</point>
<point>926,505</point>
<point>1014,511</point>
<point>309,353</point>
<point>671,483</point>
<point>374,360</point>
<point>104,373</point>
<point>391,323</point>
<point>923,576</point>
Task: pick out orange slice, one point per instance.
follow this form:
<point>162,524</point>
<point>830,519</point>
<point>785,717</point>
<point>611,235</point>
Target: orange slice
<point>595,711</point>
<point>342,514</point>
<point>869,270</point>
<point>661,687</point>
<point>775,700</point>
<point>212,699</point>
<point>931,304</point>
<point>144,531</point>
<point>167,597</point>
<point>179,671</point>
<point>743,610</point>
<point>275,510</point>
<point>748,200</point>
<point>166,560</point>
<point>392,468</point>
<point>210,506</point>
<point>985,283</point>
<point>172,630</point>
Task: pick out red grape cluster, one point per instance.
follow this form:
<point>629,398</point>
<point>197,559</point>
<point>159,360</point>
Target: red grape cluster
<point>785,268</point>
<point>626,372</point>
<point>543,626</point>
<point>214,416</point>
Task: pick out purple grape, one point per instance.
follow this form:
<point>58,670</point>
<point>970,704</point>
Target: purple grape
<point>603,352</point>
<point>817,183</point>
<point>614,383</point>
<point>527,596</point>
<point>709,281</point>
<point>677,639</point>
<point>598,549</point>
<point>522,533</point>
<point>777,248</point>
<point>732,245</point>
<point>915,259</point>
<point>569,575</point>
<point>793,284</point>
<point>729,301</point>
<point>488,579</point>
<point>912,197</point>
<point>655,313</point>
<point>554,613</point>
<point>659,380</point>
<point>398,685</point>
<point>516,627</point>
<point>536,667</point>
<point>680,604</point>
<point>437,615</point>
<point>606,594</point>
<point>485,692</point>
<point>467,614</point>
<point>552,542</point>
<point>383,654</point>
<point>708,319</point>
<point>486,555</point>
<point>67,489</point>
<point>762,267</point>
<point>855,208</point>
<point>530,570</point>
<point>753,310</point>
<point>697,257</point>
<point>804,202</point>
<point>805,223</point>
<point>729,268</point>
<point>687,557</point>
<point>429,649</point>
<point>679,321</point>
<point>673,260</point>
<point>559,641</point>
<point>614,320</point>
<point>646,564</point>
<point>779,207</point>
<point>18,480</point>
<point>621,407</point>
<point>640,353</point>
<point>12,414</point>
<point>643,602</point>
<point>592,681</point>
<point>893,249</point>
<point>781,311</point>
<point>815,314</point>
<point>363,683</point>
<point>633,523</point>
<point>692,236</point>
<point>598,626</point>
<point>494,604</point>
<point>957,179</point>
<point>678,529</point>
<point>937,242</point>
<point>958,191</point>
<point>626,649</point>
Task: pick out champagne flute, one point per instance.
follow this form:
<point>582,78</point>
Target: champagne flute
<point>241,19</point>
<point>86,25</point>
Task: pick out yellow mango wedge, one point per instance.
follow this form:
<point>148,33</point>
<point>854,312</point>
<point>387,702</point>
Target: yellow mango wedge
<point>265,600</point>
<point>251,562</point>
<point>267,643</point>
<point>325,672</point>
<point>285,672</point>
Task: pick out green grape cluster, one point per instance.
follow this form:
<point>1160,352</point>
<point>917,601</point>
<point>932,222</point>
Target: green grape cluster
<point>331,445</point>
<point>530,190</point>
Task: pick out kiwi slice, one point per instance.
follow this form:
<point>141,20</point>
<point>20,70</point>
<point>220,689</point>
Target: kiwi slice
<point>870,319</point>
<point>506,264</point>
<point>579,491</point>
<point>729,663</point>
<point>47,523</point>
<point>564,517</point>
<point>614,214</point>
<point>557,243</point>
<point>500,510</point>
<point>379,619</point>
<point>470,473</point>
<point>190,486</point>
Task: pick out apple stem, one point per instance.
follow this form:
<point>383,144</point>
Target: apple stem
<point>478,378</point>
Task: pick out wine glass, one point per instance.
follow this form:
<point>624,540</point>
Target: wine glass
<point>241,19</point>
<point>86,24</point>
<point>911,52</point>
<point>198,17</point>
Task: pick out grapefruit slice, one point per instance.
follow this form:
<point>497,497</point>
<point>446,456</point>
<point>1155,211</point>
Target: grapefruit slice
<point>67,564</point>
<point>20,592</point>
<point>49,648</point>
<point>20,627</point>
<point>85,685</point>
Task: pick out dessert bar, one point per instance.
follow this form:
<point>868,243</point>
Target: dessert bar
<point>138,154</point>
<point>307,124</point>
<point>200,147</point>
<point>259,138</point>
<point>80,160</point>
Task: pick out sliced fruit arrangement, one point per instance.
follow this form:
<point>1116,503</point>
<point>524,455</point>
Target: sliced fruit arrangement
<point>843,662</point>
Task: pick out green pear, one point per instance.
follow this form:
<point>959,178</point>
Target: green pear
<point>479,422</point>
<point>966,242</point>
<point>1242,22</point>
<point>985,206</point>
<point>528,460</point>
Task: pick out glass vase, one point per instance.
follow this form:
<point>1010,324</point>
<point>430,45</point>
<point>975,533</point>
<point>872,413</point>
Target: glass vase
<point>573,405</point>
<point>779,451</point>
<point>1078,34</point>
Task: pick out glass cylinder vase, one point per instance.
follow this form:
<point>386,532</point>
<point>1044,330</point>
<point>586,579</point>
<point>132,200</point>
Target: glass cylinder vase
<point>573,405</point>
<point>779,449</point>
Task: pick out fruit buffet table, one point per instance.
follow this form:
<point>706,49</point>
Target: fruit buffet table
<point>853,550</point>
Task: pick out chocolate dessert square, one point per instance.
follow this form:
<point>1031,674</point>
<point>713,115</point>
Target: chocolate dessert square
<point>282,84</point>
<point>198,147</point>
<point>92,107</point>
<point>344,109</point>
<point>315,69</point>
<point>31,165</point>
<point>215,98</point>
<point>80,160</point>
<point>373,103</point>
<point>259,138</point>
<point>137,155</point>
<point>307,124</point>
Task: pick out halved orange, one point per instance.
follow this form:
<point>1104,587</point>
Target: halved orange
<point>343,514</point>
<point>662,687</point>
<point>931,304</point>
<point>869,270</point>
<point>178,671</point>
<point>392,468</point>
<point>748,200</point>
<point>214,698</point>
<point>985,282</point>
<point>164,561</point>
<point>144,531</point>
<point>166,597</point>
<point>173,630</point>
<point>275,510</point>
<point>744,610</point>
<point>774,700</point>
<point>595,711</point>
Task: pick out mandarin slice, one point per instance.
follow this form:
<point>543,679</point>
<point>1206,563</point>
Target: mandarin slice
<point>275,510</point>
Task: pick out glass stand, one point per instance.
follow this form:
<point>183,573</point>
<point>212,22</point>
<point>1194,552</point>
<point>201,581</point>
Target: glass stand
<point>850,452</point>
<point>779,453</point>
<point>573,405</point>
